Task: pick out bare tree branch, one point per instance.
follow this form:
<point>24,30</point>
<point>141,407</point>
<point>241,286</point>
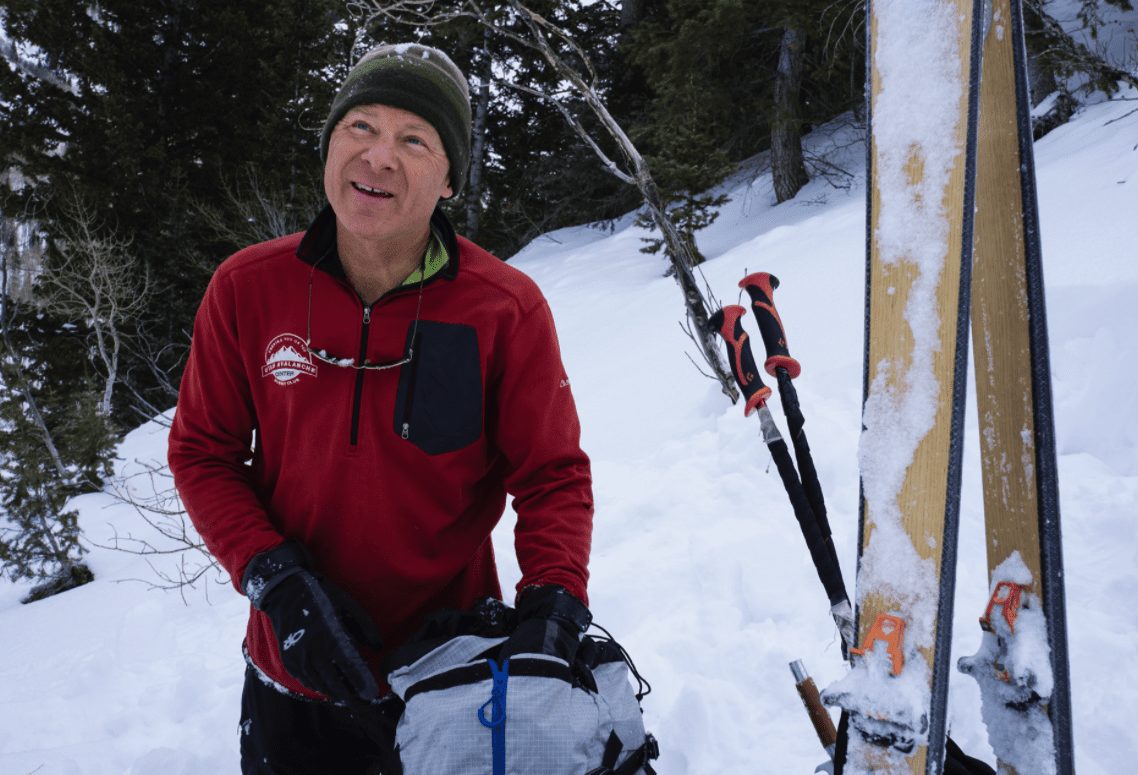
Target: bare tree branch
<point>98,280</point>
<point>560,50</point>
<point>1073,54</point>
<point>157,504</point>
<point>610,166</point>
<point>251,212</point>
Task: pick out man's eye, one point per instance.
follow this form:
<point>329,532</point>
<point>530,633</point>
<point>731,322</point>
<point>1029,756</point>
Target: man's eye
<point>414,140</point>
<point>360,125</point>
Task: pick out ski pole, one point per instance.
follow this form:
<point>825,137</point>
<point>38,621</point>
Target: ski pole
<point>780,364</point>
<point>819,716</point>
<point>727,322</point>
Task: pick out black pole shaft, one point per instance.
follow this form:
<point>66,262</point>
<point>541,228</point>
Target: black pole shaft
<point>828,572</point>
<point>810,483</point>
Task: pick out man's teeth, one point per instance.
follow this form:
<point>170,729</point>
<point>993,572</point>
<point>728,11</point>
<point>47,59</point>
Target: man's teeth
<point>370,190</point>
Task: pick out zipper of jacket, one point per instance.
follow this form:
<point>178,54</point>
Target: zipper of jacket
<point>358,398</point>
<point>414,364</point>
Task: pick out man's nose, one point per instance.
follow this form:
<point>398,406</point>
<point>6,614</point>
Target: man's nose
<point>380,154</point>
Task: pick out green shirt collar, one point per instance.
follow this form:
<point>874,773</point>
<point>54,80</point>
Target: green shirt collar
<point>434,261</point>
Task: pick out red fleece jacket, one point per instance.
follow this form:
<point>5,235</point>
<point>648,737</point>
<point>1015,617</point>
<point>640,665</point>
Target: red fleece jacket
<point>392,479</point>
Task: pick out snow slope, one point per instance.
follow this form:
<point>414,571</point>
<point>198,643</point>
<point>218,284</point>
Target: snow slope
<point>698,566</point>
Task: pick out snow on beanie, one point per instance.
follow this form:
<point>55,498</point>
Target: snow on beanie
<point>417,78</point>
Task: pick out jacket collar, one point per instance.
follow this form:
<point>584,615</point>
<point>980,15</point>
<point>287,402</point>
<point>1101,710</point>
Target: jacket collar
<point>318,245</point>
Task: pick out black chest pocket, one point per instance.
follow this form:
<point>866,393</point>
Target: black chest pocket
<point>438,406</point>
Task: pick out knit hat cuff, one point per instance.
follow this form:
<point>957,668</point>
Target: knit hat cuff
<point>409,89</point>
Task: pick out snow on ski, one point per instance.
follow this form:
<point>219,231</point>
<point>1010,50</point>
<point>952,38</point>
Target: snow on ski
<point>922,132</point>
<point>1022,663</point>
<point>1013,668</point>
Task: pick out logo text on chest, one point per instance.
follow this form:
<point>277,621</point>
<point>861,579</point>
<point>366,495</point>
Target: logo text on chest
<point>287,359</point>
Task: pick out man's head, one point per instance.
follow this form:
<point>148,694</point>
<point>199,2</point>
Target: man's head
<point>418,79</point>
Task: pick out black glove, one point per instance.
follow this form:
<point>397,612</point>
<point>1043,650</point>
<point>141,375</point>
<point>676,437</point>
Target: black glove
<point>315,623</point>
<point>550,621</point>
<point>956,762</point>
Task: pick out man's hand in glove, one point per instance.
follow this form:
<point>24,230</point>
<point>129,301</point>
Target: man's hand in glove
<point>550,621</point>
<point>317,624</point>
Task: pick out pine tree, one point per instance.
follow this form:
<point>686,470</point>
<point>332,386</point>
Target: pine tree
<point>161,113</point>
<point>536,175</point>
<point>695,65</point>
<point>57,445</point>
<point>184,137</point>
<point>1060,67</point>
<point>727,79</point>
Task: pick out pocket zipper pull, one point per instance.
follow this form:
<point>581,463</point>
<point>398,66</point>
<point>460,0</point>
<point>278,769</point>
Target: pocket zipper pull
<point>406,430</point>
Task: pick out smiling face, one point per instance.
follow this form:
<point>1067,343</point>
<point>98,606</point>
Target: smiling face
<point>386,170</point>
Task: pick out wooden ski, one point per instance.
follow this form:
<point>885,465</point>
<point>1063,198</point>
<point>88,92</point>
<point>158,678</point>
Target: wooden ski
<point>1026,697</point>
<point>923,57</point>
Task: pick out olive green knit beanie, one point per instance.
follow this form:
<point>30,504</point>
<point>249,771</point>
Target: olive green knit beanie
<point>417,78</point>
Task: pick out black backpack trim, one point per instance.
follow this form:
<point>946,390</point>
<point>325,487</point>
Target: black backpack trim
<point>480,671</point>
<point>637,760</point>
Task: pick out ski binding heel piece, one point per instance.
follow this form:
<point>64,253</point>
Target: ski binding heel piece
<point>1014,649</point>
<point>889,630</point>
<point>1013,668</point>
<point>880,696</point>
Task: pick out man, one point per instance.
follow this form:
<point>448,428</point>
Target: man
<point>358,401</point>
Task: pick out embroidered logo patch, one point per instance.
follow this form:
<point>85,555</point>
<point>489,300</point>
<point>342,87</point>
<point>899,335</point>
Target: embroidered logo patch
<point>286,359</point>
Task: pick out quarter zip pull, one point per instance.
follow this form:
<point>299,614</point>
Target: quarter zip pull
<point>358,395</point>
<point>409,400</point>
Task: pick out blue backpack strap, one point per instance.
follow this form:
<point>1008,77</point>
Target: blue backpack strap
<point>497,721</point>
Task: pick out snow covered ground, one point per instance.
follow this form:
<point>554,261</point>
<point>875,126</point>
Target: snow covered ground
<point>698,566</point>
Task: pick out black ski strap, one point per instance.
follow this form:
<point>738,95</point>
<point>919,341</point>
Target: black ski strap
<point>638,760</point>
<point>842,747</point>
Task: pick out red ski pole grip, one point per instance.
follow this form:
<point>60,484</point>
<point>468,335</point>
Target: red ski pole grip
<point>728,323</point>
<point>760,287</point>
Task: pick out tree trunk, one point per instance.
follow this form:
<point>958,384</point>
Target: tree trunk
<point>478,144</point>
<point>25,390</point>
<point>641,177</point>
<point>1041,76</point>
<point>112,377</point>
<point>679,251</point>
<point>787,169</point>
<point>632,13</point>
<point>536,37</point>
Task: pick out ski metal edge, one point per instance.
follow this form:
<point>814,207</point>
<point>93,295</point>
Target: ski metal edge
<point>1051,554</point>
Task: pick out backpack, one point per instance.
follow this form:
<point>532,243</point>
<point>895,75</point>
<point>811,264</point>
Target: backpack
<point>466,713</point>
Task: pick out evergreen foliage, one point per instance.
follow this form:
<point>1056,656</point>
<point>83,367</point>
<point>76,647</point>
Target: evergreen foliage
<point>538,175</point>
<point>190,130</point>
<point>708,68</point>
<point>1062,67</point>
<point>187,128</point>
<point>168,108</point>
<point>42,362</point>
<point>692,57</point>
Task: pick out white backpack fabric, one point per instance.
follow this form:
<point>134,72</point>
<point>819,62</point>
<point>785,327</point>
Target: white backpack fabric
<point>532,714</point>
